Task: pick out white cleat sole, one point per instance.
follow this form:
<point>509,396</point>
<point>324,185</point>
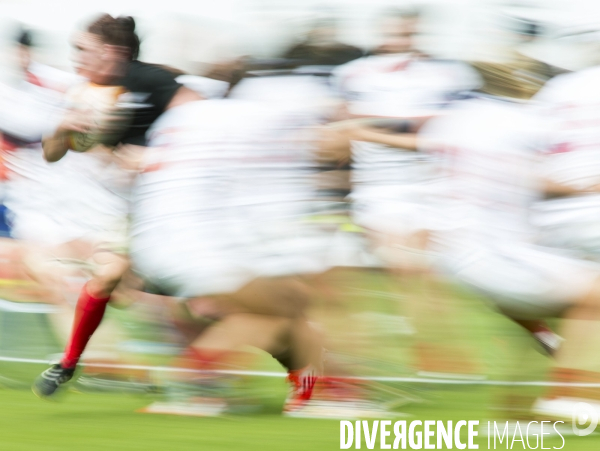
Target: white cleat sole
<point>341,410</point>
<point>190,409</point>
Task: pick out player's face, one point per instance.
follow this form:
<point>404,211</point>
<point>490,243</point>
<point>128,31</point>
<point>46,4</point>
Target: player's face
<point>398,35</point>
<point>88,56</point>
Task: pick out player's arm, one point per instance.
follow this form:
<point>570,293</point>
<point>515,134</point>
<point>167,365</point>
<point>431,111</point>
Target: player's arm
<point>26,127</point>
<point>552,188</point>
<point>183,95</point>
<point>334,143</point>
<point>57,145</point>
<point>556,189</point>
<point>374,130</point>
<point>333,146</point>
<point>405,141</point>
<point>129,157</point>
<point>24,116</point>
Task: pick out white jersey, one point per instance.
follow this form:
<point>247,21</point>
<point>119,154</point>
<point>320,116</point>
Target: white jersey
<point>224,180</point>
<point>305,99</point>
<point>281,182</point>
<point>27,112</point>
<point>488,153</point>
<point>490,161</point>
<point>207,87</point>
<point>82,196</point>
<point>402,85</point>
<point>390,185</point>
<point>571,106</point>
<point>244,152</point>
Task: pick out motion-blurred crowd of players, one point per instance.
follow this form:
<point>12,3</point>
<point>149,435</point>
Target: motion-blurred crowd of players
<point>235,197</point>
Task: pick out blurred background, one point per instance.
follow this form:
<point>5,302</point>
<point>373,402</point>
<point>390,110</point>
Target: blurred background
<point>403,330</point>
<point>176,33</point>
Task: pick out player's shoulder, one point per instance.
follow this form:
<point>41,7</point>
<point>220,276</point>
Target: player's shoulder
<point>208,88</point>
<point>358,67</point>
<point>588,74</point>
<point>483,114</point>
<point>501,112</point>
<point>484,125</point>
<point>468,114</point>
<point>459,73</point>
<point>55,79</point>
<point>291,93</point>
<point>137,67</point>
<point>448,64</point>
<point>570,85</point>
<point>146,74</point>
<point>370,63</point>
<point>350,65</point>
<point>205,113</point>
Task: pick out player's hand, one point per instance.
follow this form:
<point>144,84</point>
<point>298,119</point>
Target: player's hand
<point>129,156</point>
<point>593,189</point>
<point>77,121</point>
<point>333,146</point>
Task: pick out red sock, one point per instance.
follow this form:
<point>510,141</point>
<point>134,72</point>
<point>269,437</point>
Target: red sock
<point>534,326</point>
<point>213,359</point>
<point>88,314</point>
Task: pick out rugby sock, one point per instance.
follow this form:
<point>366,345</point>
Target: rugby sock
<point>88,315</point>
<point>533,326</point>
<point>213,359</point>
<point>303,382</point>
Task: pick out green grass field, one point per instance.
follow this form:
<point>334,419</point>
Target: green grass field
<point>109,422</point>
<point>361,328</point>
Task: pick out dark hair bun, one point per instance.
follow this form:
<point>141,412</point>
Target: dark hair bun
<point>126,22</point>
<point>117,31</point>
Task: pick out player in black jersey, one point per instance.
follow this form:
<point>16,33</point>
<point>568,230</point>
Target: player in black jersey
<point>106,54</point>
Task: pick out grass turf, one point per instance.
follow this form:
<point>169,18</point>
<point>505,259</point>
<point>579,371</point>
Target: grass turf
<point>89,422</point>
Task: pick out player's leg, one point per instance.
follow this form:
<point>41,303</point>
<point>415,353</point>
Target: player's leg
<point>441,345</point>
<point>576,360</point>
<point>529,283</point>
<point>92,303</point>
<point>267,314</point>
<point>89,311</point>
<point>292,342</point>
<point>296,344</point>
<point>539,329</point>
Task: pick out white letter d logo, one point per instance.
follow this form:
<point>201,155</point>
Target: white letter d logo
<point>582,413</point>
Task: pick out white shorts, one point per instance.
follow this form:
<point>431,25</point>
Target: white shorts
<point>50,229</point>
<point>79,197</point>
<point>394,218</point>
<point>524,281</point>
<point>185,265</point>
<point>283,248</point>
<point>397,210</point>
<point>352,249</point>
<point>570,224</point>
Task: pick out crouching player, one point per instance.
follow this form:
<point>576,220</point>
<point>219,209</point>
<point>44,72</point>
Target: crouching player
<point>490,153</point>
<point>199,230</point>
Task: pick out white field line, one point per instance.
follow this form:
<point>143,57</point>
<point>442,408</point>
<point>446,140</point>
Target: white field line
<point>416,380</point>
